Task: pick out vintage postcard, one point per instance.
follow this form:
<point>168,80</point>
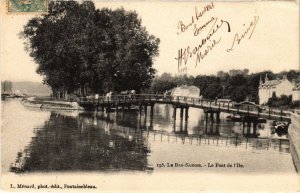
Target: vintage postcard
<point>158,96</point>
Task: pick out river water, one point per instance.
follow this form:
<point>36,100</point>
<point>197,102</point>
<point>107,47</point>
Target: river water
<point>60,141</point>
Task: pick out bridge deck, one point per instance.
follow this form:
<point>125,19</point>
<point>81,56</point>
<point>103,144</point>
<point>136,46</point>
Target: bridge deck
<point>228,107</point>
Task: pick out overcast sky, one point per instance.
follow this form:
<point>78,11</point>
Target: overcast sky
<point>274,43</point>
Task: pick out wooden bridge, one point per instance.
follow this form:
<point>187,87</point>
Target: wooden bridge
<point>183,103</point>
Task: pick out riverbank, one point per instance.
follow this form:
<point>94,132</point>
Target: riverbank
<point>48,103</point>
<point>294,136</point>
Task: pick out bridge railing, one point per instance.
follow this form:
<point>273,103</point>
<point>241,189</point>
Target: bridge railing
<point>228,106</point>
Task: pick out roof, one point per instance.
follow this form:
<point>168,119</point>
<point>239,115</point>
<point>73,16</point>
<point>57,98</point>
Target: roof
<point>271,83</point>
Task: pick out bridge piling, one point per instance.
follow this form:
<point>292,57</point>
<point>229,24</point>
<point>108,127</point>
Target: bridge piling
<point>151,110</point>
<point>145,109</point>
<point>121,101</point>
<point>117,109</point>
<point>181,113</point>
<point>174,112</point>
<point>218,117</point>
<point>206,120</point>
<point>140,110</point>
<point>212,117</point>
<point>186,113</point>
<point>250,123</point>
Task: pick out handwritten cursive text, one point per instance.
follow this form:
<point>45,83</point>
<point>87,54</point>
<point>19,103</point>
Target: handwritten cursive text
<point>248,32</point>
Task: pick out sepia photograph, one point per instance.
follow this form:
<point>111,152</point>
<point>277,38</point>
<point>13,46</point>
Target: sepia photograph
<point>158,96</point>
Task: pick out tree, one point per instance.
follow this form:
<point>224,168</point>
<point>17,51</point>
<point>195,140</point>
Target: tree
<point>78,47</point>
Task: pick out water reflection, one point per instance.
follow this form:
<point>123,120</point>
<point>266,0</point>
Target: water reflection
<point>65,143</point>
<point>133,141</point>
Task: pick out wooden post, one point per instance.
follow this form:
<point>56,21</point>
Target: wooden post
<point>174,112</point>
<point>248,110</point>
<point>206,121</point>
<point>248,126</point>
<point>254,127</point>
<point>174,126</point>
<point>140,109</point>
<point>151,110</point>
<point>243,122</point>
<point>145,109</point>
<point>186,113</point>
<point>181,112</point>
<point>218,117</point>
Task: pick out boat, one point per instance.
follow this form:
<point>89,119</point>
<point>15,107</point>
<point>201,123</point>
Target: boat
<point>281,128</point>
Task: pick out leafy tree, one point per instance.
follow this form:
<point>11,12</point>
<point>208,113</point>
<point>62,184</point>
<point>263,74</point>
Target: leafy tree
<point>80,48</point>
<point>163,83</point>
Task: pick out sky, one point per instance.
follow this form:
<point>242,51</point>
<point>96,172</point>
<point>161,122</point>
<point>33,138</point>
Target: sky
<point>273,28</point>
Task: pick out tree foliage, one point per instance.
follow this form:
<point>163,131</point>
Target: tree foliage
<point>237,85</point>
<point>79,47</point>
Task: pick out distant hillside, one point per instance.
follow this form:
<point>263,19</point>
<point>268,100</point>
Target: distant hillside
<point>32,88</point>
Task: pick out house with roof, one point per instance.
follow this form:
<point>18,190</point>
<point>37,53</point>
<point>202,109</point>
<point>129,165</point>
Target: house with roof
<point>186,91</point>
<point>279,87</point>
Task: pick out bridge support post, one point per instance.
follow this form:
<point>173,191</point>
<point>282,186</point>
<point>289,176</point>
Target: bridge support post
<point>206,121</point>
<point>212,117</point>
<point>151,124</point>
<point>140,109</point>
<point>145,110</point>
<point>250,123</point>
<point>181,112</point>
<point>185,126</point>
<point>151,110</point>
<point>145,121</point>
<point>218,117</point>
<point>181,126</point>
<point>254,127</point>
<point>248,127</point>
<point>186,113</point>
<point>174,112</point>
<point>174,126</point>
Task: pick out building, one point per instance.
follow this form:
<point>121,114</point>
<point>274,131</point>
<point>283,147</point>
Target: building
<point>296,93</point>
<point>186,91</point>
<point>279,87</point>
<point>6,87</point>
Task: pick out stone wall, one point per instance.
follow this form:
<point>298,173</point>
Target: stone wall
<point>294,136</point>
